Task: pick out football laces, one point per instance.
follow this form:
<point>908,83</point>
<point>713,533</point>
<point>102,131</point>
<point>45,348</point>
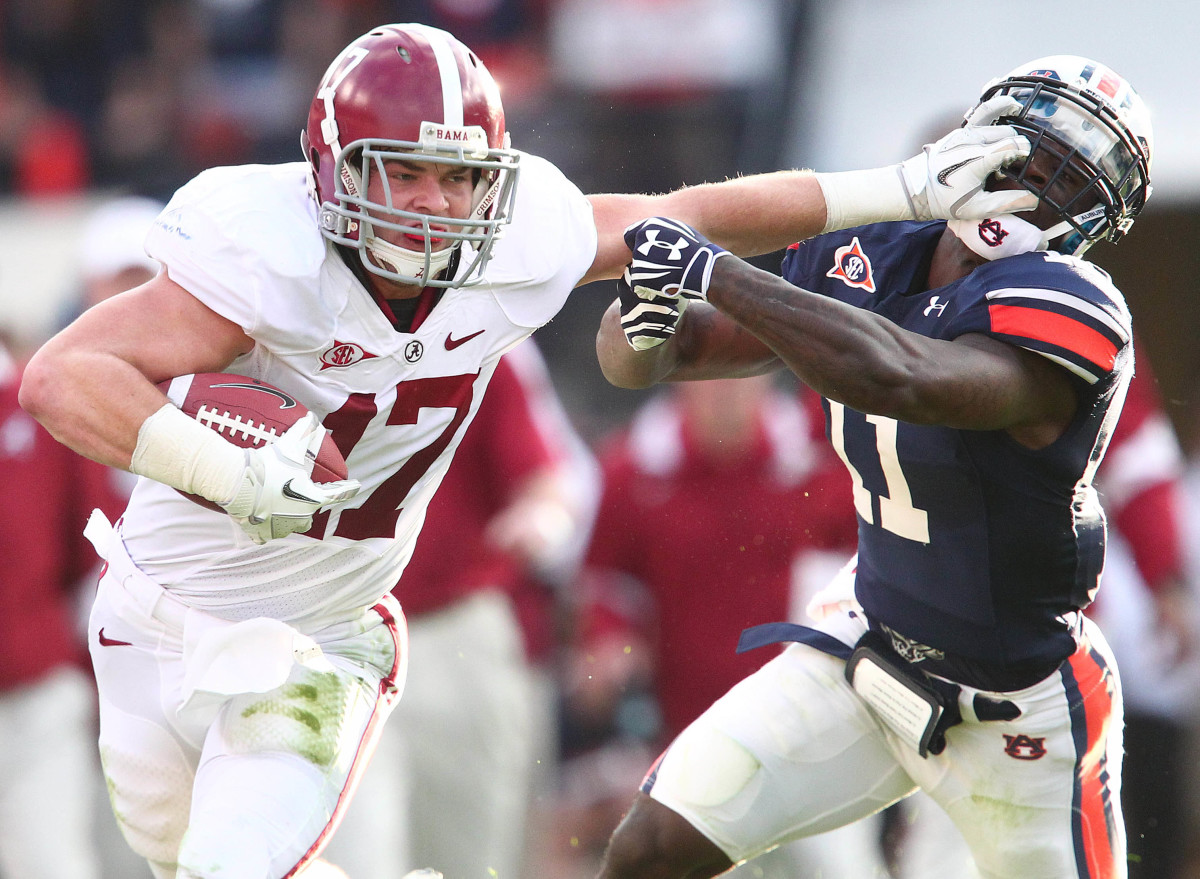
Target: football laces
<point>235,425</point>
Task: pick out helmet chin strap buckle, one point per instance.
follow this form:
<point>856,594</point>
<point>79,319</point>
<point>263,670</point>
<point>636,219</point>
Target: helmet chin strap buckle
<point>339,224</point>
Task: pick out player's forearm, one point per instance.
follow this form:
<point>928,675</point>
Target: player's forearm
<point>625,367</point>
<point>706,345</point>
<point>752,215</point>
<point>846,353</point>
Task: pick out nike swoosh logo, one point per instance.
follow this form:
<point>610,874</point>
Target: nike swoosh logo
<point>452,343</point>
<point>106,641</point>
<point>288,492</point>
<point>946,172</point>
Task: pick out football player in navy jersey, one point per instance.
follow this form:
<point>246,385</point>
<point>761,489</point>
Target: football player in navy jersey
<point>972,374</point>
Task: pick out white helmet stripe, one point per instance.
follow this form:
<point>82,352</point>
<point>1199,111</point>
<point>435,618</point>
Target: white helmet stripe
<point>452,103</point>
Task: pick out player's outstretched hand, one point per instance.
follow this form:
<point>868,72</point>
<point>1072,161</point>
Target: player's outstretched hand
<point>945,180</point>
<point>649,321</point>
<point>277,495</point>
<point>669,259</point>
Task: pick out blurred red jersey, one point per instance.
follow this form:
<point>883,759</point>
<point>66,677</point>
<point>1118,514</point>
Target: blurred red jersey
<point>50,491</point>
<point>713,544</point>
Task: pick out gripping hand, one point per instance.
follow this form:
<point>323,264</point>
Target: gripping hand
<point>649,321</point>
<point>669,259</point>
<point>945,181</point>
<point>276,496</point>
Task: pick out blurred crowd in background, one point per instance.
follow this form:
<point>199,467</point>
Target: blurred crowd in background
<point>137,96</point>
<point>695,526</point>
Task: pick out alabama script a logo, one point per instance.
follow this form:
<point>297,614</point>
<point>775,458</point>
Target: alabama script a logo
<point>851,266</point>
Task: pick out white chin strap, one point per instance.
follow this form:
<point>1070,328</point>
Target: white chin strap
<point>410,263</point>
<point>1001,236</point>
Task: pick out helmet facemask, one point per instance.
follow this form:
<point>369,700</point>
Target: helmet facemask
<point>354,220</point>
<point>1085,164</point>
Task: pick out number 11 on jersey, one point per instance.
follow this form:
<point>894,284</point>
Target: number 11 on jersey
<point>896,511</point>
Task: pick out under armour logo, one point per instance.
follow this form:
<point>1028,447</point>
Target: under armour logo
<point>934,305</point>
<point>1022,747</point>
<point>651,242</point>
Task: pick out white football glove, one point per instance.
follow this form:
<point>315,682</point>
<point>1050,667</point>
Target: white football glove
<point>944,181</point>
<point>277,496</point>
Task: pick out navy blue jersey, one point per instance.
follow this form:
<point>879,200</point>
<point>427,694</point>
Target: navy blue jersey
<point>968,541</point>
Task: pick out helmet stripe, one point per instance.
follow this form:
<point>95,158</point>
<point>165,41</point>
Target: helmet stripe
<point>452,102</point>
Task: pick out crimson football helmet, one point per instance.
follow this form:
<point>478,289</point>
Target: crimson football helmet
<point>1094,130</point>
<point>410,92</point>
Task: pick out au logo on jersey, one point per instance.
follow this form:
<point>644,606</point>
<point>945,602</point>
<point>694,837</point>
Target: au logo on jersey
<point>851,265</point>
<point>343,354</point>
<point>1023,747</point>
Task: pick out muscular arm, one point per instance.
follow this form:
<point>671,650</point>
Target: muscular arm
<point>746,215</point>
<point>92,385</point>
<point>853,356</point>
<point>706,345</point>
<point>765,212</point>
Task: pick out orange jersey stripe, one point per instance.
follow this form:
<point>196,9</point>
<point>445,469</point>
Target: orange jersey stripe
<point>1057,329</point>
<point>1095,818</point>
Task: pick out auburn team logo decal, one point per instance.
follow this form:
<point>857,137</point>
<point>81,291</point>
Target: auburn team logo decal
<point>1022,747</point>
<point>992,233</point>
<point>343,354</point>
<point>851,265</point>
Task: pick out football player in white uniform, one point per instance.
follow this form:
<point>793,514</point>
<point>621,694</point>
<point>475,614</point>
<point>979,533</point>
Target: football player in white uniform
<point>245,661</point>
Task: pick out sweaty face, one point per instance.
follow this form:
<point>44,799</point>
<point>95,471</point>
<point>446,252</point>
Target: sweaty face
<point>437,190</point>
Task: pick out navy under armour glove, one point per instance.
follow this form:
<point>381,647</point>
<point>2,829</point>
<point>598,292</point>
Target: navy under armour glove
<point>669,259</point>
<point>647,322</point>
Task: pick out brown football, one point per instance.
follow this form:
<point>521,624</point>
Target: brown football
<point>249,413</point>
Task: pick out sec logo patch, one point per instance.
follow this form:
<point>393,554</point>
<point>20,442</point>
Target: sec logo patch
<point>851,266</point>
<point>343,354</point>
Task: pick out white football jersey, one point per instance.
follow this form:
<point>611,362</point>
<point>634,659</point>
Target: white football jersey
<point>244,241</point>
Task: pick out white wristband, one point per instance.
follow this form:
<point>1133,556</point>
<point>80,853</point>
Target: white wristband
<point>184,454</point>
<point>854,198</point>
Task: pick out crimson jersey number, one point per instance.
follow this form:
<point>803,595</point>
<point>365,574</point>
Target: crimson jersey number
<point>379,512</point>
